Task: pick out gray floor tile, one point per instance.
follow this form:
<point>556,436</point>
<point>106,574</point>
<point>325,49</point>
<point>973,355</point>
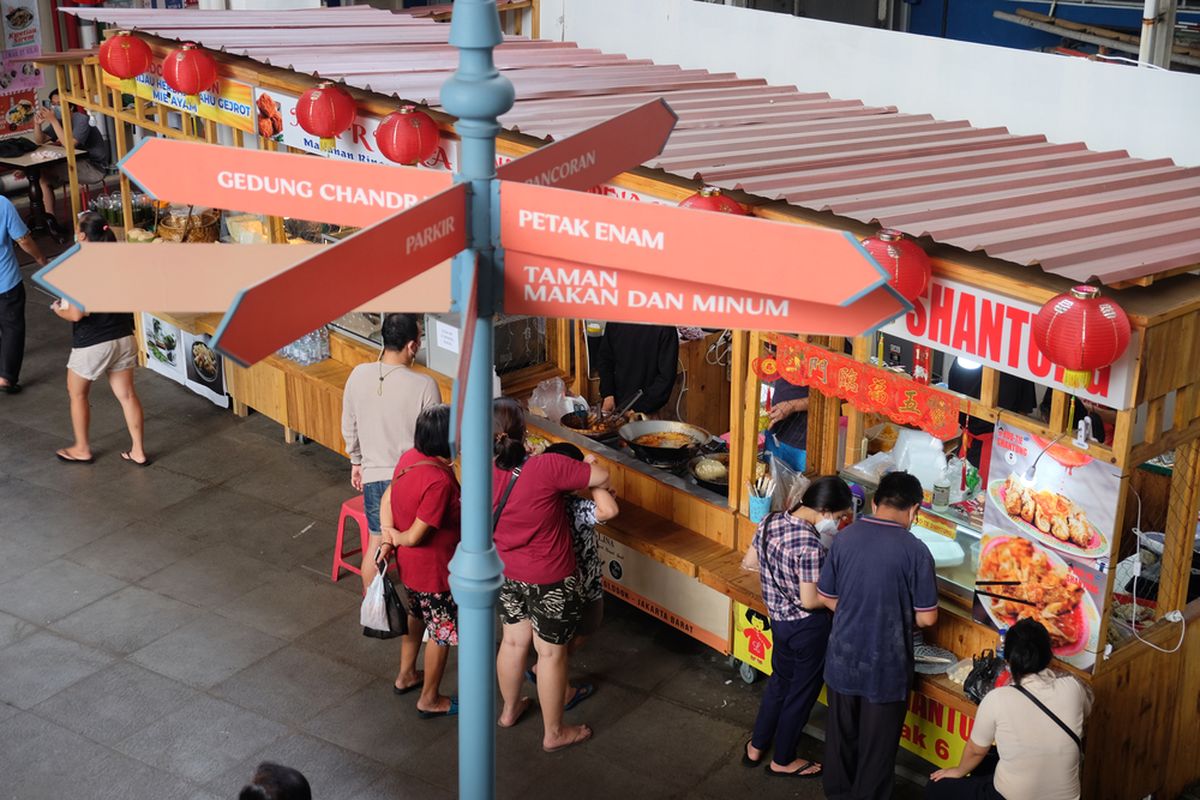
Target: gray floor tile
<point>702,686</point>
<point>113,776</point>
<point>127,620</point>
<point>55,590</point>
<point>342,640</point>
<point>292,685</point>
<point>583,773</point>
<point>13,628</point>
<point>35,755</point>
<point>378,724</point>
<point>331,771</point>
<point>52,521</point>
<point>218,459</point>
<point>394,785</point>
<point>134,552</point>
<point>206,652</point>
<point>289,605</point>
<point>216,510</point>
<point>281,537</point>
<point>202,739</point>
<point>115,703</point>
<point>42,664</point>
<point>209,577</point>
<point>18,558</point>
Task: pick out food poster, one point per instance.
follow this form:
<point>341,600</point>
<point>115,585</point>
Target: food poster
<point>226,102</point>
<point>1048,527</point>
<point>22,39</point>
<point>18,112</point>
<point>277,121</point>
<point>161,341</point>
<point>203,367</point>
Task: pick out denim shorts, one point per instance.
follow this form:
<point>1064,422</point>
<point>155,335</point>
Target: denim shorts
<point>372,495</point>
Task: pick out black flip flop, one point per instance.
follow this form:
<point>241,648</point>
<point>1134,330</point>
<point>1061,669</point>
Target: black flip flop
<point>11,388</point>
<point>69,460</point>
<point>407,689</point>
<point>747,761</point>
<point>126,457</point>
<point>800,773</point>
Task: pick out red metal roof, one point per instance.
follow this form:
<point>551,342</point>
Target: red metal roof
<point>1072,211</point>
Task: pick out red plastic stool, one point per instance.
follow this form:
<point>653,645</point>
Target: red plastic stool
<point>352,509</point>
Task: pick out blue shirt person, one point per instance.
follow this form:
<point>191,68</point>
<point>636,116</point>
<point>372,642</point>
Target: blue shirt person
<point>12,294</point>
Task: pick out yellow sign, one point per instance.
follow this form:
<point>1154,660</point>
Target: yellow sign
<point>227,102</point>
<point>752,640</point>
<point>938,525</point>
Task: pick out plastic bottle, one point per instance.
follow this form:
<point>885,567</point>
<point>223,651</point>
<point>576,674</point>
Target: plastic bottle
<point>1000,644</point>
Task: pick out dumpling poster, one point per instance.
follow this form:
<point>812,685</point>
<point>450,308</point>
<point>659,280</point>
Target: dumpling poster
<point>1048,528</point>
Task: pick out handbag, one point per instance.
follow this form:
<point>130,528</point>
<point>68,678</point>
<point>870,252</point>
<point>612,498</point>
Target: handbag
<point>1074,736</point>
<point>383,613</point>
<point>516,473</point>
<point>986,668</point>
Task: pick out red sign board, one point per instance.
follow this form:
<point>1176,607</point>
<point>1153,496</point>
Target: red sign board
<point>777,259</point>
<point>337,279</point>
<point>552,287</point>
<point>599,153</point>
<point>279,184</point>
<point>868,388</point>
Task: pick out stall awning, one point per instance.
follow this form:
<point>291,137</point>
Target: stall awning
<point>1071,211</point>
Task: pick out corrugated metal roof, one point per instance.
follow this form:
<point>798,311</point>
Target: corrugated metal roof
<point>1072,211</point>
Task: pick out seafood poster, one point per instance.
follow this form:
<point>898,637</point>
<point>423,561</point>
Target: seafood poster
<point>1048,528</point>
<point>22,39</point>
<point>204,368</point>
<point>161,342</point>
<point>18,110</point>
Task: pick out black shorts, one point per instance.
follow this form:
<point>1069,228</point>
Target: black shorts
<point>554,609</point>
<point>593,615</point>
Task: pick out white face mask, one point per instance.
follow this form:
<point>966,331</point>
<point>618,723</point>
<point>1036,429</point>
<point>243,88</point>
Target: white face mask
<point>826,528</point>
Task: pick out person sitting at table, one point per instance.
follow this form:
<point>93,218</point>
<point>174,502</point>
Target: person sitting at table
<point>91,151</point>
<point>633,357</point>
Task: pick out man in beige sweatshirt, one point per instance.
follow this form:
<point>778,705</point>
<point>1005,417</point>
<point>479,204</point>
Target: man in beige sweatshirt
<point>380,406</point>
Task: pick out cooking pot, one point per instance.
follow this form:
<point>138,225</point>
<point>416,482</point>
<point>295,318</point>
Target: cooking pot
<point>631,431</point>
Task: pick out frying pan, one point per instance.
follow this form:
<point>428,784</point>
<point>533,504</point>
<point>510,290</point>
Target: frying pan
<point>597,425</point>
<point>721,486</point>
<point>632,430</point>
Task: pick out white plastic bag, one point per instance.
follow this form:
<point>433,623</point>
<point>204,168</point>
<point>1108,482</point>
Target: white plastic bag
<point>551,397</point>
<point>373,613</point>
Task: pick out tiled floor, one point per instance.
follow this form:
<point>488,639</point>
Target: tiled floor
<point>164,630</point>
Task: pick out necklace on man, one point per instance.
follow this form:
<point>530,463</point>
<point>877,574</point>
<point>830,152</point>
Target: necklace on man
<point>383,376</point>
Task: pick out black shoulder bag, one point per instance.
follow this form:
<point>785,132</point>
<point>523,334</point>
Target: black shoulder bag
<point>1074,737</point>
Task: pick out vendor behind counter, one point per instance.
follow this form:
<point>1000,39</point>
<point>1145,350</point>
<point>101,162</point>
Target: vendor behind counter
<point>633,357</point>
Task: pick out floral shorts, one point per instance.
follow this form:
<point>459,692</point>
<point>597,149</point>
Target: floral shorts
<point>553,608</point>
<point>439,612</point>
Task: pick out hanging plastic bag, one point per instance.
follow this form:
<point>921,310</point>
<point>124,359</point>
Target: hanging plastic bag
<point>551,397</point>
<point>383,615</point>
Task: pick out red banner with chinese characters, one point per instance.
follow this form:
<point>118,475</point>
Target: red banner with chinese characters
<point>865,386</point>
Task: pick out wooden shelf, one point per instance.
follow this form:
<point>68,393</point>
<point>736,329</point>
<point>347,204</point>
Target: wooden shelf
<point>666,542</point>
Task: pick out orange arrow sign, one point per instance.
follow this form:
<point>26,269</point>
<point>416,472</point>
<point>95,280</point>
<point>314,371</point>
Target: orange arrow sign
<point>599,153</point>
<point>342,277</point>
<point>745,253</point>
<point>201,278</point>
<point>555,288</point>
<point>279,184</point>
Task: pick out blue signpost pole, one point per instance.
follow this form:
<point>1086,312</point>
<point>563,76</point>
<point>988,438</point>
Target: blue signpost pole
<point>477,94</point>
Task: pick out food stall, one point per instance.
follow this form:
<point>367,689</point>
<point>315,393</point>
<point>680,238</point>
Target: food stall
<point>676,550</point>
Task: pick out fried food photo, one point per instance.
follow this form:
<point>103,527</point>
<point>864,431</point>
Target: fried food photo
<point>1050,512</point>
<point>1053,595</point>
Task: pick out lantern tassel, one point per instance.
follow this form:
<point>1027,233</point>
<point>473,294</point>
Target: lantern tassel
<point>1077,379</point>
<point>327,144</point>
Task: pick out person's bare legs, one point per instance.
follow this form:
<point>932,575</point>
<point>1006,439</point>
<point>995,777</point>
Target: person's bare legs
<point>47,194</point>
<point>510,669</point>
<point>78,389</point>
<point>410,647</point>
<point>369,570</point>
<point>122,387</point>
<point>432,698</point>
<point>552,688</point>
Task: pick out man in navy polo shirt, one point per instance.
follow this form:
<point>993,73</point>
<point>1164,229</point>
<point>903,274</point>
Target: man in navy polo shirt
<point>879,581</point>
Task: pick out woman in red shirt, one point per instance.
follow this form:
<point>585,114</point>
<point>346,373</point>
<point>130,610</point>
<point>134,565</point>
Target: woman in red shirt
<point>540,602</point>
<point>420,516</point>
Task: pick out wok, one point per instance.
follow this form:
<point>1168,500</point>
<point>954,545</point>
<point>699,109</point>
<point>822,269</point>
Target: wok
<point>593,425</point>
<point>631,431</point>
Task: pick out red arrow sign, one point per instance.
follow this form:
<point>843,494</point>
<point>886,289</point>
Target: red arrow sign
<point>201,278</point>
<point>555,288</point>
<point>283,308</point>
<point>745,253</point>
<point>279,184</point>
<point>599,153</point>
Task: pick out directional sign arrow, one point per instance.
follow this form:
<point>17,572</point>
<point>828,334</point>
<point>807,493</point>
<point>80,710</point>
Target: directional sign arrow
<point>342,277</point>
<point>599,153</point>
<point>201,278</point>
<point>555,288</point>
<point>279,184</point>
<point>816,265</point>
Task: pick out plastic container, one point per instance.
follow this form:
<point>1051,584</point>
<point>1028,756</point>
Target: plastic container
<point>759,508</point>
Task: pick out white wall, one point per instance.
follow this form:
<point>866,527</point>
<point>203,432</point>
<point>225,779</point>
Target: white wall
<point>1149,113</point>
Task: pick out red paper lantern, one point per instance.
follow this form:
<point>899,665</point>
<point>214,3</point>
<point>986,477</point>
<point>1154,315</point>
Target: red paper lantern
<point>710,198</point>
<point>407,136</point>
<point>189,71</point>
<point>906,263</point>
<point>125,57</point>
<point>1081,332</point>
<point>326,111</point>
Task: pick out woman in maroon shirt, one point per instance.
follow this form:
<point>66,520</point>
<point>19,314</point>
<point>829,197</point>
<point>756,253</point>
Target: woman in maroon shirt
<point>540,602</point>
<point>419,516</point>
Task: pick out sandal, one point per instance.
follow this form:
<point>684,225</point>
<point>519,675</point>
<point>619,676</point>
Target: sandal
<point>125,456</point>
<point>800,773</point>
<point>61,455</point>
<point>582,692</point>
<point>747,761</point>
<point>450,712</point>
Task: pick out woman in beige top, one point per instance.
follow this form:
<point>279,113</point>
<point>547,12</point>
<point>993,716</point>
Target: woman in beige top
<point>1039,758</point>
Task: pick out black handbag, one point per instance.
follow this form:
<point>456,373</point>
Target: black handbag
<point>397,614</point>
<point>986,668</point>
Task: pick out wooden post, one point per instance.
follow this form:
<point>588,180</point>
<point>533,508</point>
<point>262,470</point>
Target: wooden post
<point>122,149</point>
<point>856,424</point>
<point>747,452</point>
<point>68,143</point>
<point>738,367</point>
<point>1184,502</point>
<point>535,20</point>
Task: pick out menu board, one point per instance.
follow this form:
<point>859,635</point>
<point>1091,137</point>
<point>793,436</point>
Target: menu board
<point>1048,527</point>
<point>163,345</point>
<point>204,368</point>
<point>19,80</point>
